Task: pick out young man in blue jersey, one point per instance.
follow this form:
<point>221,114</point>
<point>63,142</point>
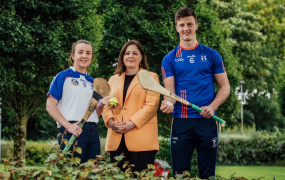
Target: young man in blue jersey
<point>190,71</point>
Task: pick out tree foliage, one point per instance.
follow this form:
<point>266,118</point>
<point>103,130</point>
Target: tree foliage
<point>149,22</point>
<point>256,57</point>
<point>35,39</point>
<point>152,24</point>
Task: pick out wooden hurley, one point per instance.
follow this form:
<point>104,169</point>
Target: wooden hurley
<point>101,89</point>
<point>147,82</point>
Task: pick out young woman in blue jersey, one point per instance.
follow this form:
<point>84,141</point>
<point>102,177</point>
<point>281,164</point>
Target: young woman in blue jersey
<point>190,71</point>
<point>68,98</point>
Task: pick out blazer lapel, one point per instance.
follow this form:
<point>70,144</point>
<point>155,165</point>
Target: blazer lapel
<point>120,87</point>
<point>132,85</point>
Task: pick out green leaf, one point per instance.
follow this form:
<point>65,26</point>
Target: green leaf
<point>76,160</point>
<point>119,158</point>
<point>65,141</point>
<point>54,168</point>
<point>37,173</point>
<point>78,150</point>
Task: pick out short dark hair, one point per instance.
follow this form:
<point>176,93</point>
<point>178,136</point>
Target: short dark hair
<point>121,66</point>
<point>185,12</point>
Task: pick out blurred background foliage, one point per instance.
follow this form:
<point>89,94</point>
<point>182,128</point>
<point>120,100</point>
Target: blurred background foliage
<point>37,35</point>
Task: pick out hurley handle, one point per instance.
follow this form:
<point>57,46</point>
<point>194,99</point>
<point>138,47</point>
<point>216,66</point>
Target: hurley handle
<point>223,123</point>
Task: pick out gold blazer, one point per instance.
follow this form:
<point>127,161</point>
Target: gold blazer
<point>140,107</point>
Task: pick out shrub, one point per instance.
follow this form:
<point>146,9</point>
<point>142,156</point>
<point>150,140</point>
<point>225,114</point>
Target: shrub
<point>59,166</point>
<point>259,148</point>
<point>37,152</point>
<point>6,149</point>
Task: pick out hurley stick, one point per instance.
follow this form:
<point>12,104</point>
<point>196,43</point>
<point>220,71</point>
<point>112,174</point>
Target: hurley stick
<point>101,89</point>
<point>147,82</point>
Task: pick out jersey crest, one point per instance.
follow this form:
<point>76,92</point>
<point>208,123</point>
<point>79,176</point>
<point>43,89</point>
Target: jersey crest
<point>74,82</point>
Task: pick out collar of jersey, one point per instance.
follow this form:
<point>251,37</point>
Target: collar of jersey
<point>77,71</point>
<point>189,48</point>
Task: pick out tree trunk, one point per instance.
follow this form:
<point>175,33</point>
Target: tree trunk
<point>20,142</point>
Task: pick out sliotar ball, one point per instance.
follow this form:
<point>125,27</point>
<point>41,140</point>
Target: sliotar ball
<point>113,101</point>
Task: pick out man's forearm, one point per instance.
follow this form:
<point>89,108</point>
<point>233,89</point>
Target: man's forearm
<point>220,98</point>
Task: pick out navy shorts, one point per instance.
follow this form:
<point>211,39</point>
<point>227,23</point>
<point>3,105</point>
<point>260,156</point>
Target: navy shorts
<point>188,134</point>
<point>88,141</point>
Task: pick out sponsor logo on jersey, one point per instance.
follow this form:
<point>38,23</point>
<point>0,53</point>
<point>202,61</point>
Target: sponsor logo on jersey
<point>84,82</point>
<point>74,82</point>
<point>179,59</point>
<point>191,58</point>
<point>204,58</point>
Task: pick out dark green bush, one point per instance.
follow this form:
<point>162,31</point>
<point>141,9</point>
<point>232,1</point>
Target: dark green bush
<point>260,148</point>
<point>36,151</point>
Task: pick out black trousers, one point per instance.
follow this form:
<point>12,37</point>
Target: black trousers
<point>88,141</point>
<point>188,134</point>
<point>140,159</point>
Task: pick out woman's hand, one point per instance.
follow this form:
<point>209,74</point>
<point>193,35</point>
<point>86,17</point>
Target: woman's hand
<point>102,103</point>
<point>128,126</point>
<point>105,101</point>
<point>74,129</point>
<point>117,126</point>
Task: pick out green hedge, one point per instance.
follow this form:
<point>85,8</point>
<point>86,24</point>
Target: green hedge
<point>258,148</point>
<point>36,151</point>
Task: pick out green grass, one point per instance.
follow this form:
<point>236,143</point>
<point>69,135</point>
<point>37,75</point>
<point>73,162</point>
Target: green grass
<point>252,172</point>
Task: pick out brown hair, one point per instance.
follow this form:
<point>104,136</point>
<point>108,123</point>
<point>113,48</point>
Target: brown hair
<point>184,12</point>
<point>70,61</point>
<point>121,66</point>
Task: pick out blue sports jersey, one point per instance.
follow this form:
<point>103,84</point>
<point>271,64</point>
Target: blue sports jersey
<point>194,71</point>
<point>73,90</point>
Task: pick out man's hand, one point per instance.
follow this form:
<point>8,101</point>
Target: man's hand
<point>166,106</point>
<point>207,112</point>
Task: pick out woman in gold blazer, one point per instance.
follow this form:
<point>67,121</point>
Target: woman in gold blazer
<point>132,125</point>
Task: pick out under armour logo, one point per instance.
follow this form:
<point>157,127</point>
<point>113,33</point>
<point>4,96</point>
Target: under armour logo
<point>214,140</point>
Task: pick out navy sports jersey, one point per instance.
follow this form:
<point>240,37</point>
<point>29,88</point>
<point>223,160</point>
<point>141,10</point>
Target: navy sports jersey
<point>73,90</point>
<point>194,71</point>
